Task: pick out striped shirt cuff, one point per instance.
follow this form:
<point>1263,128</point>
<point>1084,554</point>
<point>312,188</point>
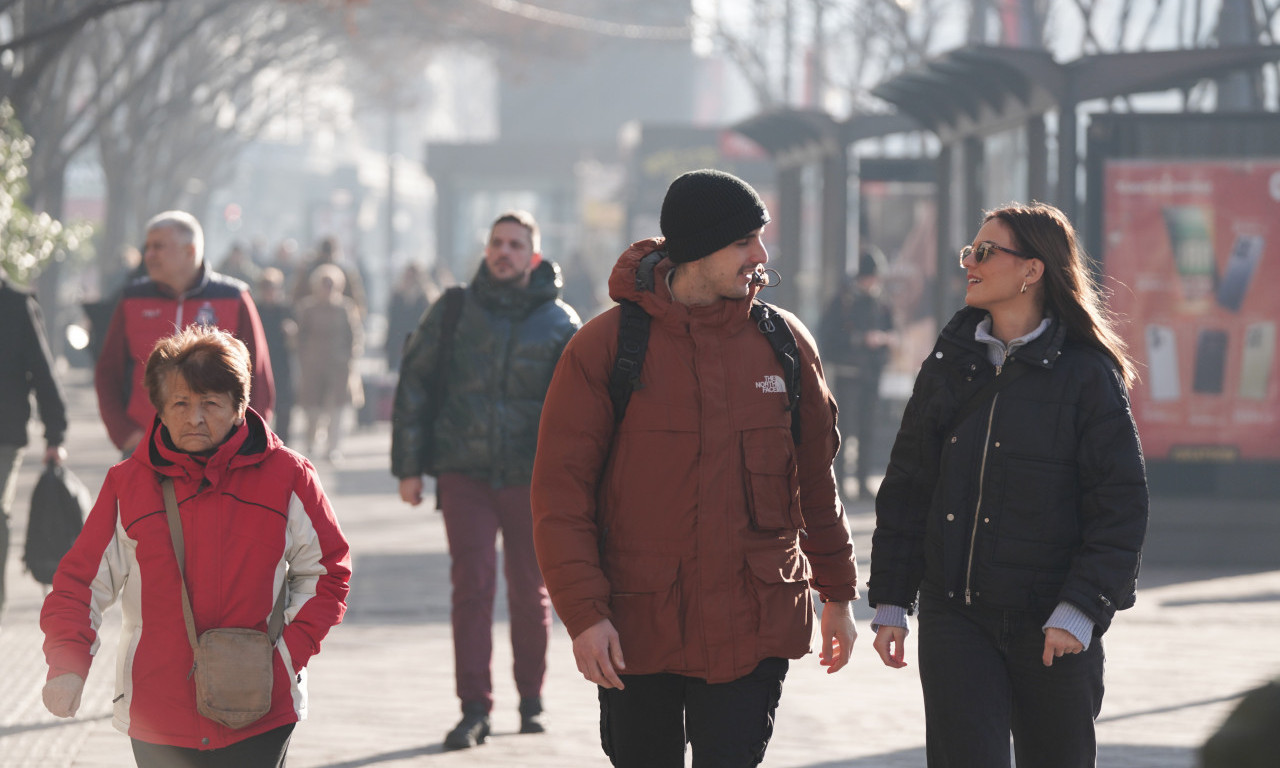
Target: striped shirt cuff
<point>1067,616</point>
<point>889,616</point>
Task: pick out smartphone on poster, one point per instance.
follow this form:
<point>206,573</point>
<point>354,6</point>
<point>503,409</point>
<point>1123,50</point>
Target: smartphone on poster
<point>1190,229</point>
<point>1211,361</point>
<point>1257,360</point>
<point>1241,266</point>
<point>1162,363</point>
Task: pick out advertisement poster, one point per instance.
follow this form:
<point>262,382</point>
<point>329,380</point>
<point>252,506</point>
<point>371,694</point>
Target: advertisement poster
<point>1192,261</point>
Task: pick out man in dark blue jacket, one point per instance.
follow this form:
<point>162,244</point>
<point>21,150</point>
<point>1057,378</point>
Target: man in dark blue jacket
<point>25,366</point>
<point>467,407</point>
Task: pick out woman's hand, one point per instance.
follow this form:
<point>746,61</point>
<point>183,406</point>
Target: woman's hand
<point>891,643</point>
<point>1058,642</point>
<point>62,694</point>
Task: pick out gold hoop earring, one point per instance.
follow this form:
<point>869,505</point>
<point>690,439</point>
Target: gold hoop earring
<point>1024,287</point>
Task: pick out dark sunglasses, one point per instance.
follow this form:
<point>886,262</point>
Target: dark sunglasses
<point>984,249</point>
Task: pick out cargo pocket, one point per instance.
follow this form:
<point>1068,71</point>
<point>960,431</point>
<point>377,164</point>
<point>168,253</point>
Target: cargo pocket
<point>773,482</point>
<point>784,621</point>
<point>645,601</point>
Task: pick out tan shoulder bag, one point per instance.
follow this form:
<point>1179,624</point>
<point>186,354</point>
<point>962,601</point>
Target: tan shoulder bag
<point>232,665</point>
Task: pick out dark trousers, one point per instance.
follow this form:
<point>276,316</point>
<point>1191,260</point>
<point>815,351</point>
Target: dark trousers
<point>265,750</point>
<point>647,724</point>
<point>859,402</point>
<point>474,512</point>
<point>10,461</point>
<point>983,677</point>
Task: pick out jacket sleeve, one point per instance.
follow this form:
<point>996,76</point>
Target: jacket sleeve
<point>262,393</point>
<point>412,404</point>
<point>1113,502</point>
<point>903,501</point>
<point>319,569</point>
<point>828,543</point>
<point>110,379</point>
<point>49,399</point>
<point>574,438</point>
<point>88,580</point>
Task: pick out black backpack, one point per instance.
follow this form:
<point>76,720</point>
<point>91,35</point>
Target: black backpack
<point>59,504</point>
<point>633,341</point>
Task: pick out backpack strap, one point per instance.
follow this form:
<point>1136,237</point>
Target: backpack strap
<point>633,341</point>
<point>783,341</point>
<point>453,299</point>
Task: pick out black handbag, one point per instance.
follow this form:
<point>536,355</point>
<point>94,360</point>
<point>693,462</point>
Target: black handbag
<point>59,505</point>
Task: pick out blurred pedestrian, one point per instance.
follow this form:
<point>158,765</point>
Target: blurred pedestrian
<point>330,342</point>
<point>1015,504</point>
<point>179,289</point>
<point>856,340</point>
<point>680,541</point>
<point>256,531</point>
<point>240,265</point>
<point>329,251</point>
<point>410,297</point>
<point>26,366</point>
<point>286,260</point>
<point>466,411</point>
<point>281,330</point>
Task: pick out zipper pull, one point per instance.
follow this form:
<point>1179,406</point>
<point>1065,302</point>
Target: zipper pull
<point>968,597</point>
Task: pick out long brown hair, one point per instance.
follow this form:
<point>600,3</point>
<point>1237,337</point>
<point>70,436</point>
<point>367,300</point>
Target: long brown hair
<point>1071,292</point>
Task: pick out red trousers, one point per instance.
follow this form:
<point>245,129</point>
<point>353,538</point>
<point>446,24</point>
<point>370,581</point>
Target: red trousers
<point>474,512</point>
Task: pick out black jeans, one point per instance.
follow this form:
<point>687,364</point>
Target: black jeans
<point>729,725</point>
<point>983,677</point>
<point>265,750</point>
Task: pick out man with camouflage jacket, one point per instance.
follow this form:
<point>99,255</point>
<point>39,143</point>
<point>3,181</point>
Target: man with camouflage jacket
<point>467,407</point>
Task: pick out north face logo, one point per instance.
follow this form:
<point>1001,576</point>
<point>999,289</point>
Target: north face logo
<point>772,384</point>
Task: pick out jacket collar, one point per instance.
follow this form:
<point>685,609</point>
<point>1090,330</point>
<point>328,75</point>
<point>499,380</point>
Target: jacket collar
<point>544,285</point>
<point>654,295</point>
<point>1042,351</point>
<point>247,444</point>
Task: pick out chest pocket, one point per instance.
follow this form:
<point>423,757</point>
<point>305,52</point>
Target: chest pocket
<point>773,481</point>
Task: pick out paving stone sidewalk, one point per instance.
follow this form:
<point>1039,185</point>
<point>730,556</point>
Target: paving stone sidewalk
<point>382,687</point>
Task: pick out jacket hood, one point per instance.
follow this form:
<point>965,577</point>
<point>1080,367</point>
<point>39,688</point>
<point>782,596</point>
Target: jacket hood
<point>249,443</point>
<point>1041,351</point>
<point>545,284</point>
<point>625,283</point>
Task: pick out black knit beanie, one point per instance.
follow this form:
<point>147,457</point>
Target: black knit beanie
<point>706,210</point>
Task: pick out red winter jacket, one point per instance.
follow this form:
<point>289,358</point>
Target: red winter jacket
<point>147,312</point>
<point>698,526</point>
<point>254,520</point>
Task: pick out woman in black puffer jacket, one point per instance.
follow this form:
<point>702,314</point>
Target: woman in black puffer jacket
<point>1014,505</point>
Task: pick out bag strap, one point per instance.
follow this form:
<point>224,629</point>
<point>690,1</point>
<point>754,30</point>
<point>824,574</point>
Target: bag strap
<point>633,341</point>
<point>1011,371</point>
<point>274,625</point>
<point>783,341</point>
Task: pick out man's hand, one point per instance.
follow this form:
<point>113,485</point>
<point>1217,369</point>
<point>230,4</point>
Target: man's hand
<point>62,694</point>
<point>890,643</point>
<point>411,490</point>
<point>54,454</point>
<point>1058,642</point>
<point>838,635</point>
<point>599,655</point>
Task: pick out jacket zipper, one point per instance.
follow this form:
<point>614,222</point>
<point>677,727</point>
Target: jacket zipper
<point>982,473</point>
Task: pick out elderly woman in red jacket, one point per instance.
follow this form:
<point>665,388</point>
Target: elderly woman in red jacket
<point>255,523</point>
